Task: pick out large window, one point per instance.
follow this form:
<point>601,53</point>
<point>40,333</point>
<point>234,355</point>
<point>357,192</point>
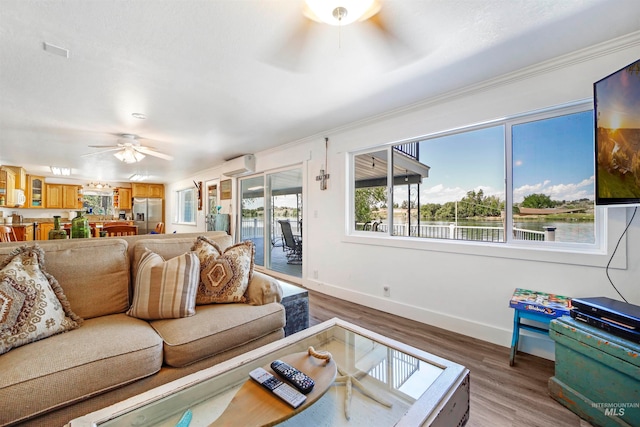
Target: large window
<point>523,179</point>
<point>186,206</point>
<point>553,179</point>
<point>98,203</point>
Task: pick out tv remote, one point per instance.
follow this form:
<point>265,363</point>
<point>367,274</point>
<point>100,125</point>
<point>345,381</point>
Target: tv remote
<point>293,376</point>
<point>284,391</point>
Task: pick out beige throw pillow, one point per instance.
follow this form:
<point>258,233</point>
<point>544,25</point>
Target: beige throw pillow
<point>165,289</point>
<point>32,303</point>
<point>224,276</point>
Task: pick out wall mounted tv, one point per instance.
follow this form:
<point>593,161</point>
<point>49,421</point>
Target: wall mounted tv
<point>617,137</point>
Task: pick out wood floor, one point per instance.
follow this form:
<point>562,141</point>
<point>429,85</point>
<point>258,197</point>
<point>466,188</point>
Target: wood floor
<point>500,395</point>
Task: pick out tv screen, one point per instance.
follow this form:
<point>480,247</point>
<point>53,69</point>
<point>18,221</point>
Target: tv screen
<point>617,136</point>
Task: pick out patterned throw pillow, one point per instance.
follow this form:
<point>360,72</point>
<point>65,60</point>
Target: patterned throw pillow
<point>32,303</point>
<point>224,276</point>
<point>165,289</point>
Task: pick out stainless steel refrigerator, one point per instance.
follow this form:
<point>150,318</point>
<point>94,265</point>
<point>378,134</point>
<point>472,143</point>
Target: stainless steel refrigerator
<point>146,214</point>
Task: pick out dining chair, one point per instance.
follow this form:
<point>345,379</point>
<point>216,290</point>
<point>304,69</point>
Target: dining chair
<point>159,228</point>
<point>7,234</point>
<point>120,230</point>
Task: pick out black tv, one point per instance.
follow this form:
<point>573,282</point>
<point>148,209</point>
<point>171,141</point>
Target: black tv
<point>616,101</point>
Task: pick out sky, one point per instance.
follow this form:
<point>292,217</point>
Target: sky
<point>553,156</point>
<point>618,99</point>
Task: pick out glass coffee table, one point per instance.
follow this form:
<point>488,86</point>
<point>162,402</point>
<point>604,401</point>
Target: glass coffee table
<point>397,385</point>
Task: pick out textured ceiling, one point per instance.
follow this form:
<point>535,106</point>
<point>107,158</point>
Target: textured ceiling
<point>220,78</point>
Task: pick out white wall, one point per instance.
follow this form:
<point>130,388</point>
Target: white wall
<point>463,288</point>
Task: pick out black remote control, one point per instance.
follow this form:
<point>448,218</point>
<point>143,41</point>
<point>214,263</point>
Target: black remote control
<point>293,376</point>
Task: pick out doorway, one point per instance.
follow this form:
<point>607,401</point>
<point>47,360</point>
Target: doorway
<point>271,217</point>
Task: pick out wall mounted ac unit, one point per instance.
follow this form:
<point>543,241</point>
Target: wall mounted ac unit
<point>239,166</point>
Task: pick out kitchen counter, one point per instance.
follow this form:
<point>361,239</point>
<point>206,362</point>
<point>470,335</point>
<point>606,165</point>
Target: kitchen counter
<point>38,228</point>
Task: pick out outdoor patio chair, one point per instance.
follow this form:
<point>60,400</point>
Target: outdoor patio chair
<point>292,244</point>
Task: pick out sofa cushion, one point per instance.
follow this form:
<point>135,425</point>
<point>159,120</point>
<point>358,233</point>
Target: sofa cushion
<point>94,273</point>
<point>32,303</point>
<point>165,289</point>
<point>263,289</point>
<point>224,275</point>
<point>171,247</point>
<point>104,353</point>
<point>215,329</point>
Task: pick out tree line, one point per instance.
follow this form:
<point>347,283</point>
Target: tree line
<point>370,203</point>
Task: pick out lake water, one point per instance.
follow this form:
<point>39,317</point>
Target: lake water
<point>567,232</point>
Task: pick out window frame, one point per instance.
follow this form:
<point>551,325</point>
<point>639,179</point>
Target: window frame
<point>180,203</point>
<point>609,224</point>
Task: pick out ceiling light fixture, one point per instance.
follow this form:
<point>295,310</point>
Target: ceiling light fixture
<point>137,177</point>
<point>138,116</point>
<point>56,170</point>
<point>129,155</point>
<point>341,12</point>
<point>56,50</point>
<point>99,186</point>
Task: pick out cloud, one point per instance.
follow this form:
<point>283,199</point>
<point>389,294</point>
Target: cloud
<point>571,191</point>
<point>441,194</point>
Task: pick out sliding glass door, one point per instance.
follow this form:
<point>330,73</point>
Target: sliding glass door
<point>252,214</point>
<point>271,217</point>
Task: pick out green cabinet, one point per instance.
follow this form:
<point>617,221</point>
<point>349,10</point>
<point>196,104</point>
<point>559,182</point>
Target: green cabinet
<point>597,374</point>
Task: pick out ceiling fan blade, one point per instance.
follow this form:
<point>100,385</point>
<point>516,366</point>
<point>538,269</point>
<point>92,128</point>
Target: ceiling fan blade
<point>103,146</point>
<point>145,150</point>
<point>102,151</point>
<point>402,52</point>
<point>288,55</point>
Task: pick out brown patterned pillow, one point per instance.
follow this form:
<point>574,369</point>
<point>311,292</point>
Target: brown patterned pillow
<point>224,277</point>
<point>165,289</point>
<point>206,250</point>
<point>32,303</point>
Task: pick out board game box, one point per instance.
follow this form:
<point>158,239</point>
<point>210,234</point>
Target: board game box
<point>551,305</point>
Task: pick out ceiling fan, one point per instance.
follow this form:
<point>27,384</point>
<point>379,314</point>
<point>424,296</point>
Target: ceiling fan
<point>129,150</point>
<point>370,13</point>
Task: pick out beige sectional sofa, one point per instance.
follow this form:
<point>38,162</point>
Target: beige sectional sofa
<point>113,356</point>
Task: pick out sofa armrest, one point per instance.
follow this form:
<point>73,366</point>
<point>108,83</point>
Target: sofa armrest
<point>263,289</point>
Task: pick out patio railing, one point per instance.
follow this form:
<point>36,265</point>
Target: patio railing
<point>464,232</point>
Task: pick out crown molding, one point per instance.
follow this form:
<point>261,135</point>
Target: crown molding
<point>579,56</point>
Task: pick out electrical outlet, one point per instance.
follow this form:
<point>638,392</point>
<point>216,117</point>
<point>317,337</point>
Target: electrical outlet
<point>386,291</point>
<point>315,274</point>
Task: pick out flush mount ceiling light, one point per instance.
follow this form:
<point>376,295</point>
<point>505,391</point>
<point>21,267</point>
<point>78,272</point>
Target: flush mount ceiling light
<point>138,116</point>
<point>56,50</point>
<point>137,177</point>
<point>56,170</point>
<point>129,155</point>
<point>341,12</point>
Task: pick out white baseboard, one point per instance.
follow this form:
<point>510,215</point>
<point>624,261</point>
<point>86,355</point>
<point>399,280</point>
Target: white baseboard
<point>535,344</point>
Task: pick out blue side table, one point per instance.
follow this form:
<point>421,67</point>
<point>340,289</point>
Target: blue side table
<point>536,306</point>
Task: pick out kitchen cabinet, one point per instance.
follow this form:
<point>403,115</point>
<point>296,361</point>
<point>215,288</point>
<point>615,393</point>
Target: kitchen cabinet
<point>54,196</point>
<point>147,190</point>
<point>35,192</point>
<point>7,187</point>
<point>20,176</point>
<point>62,196</point>
<point>71,197</point>
<point>156,190</point>
<point>122,198</point>
<point>43,230</point>
<point>23,232</point>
